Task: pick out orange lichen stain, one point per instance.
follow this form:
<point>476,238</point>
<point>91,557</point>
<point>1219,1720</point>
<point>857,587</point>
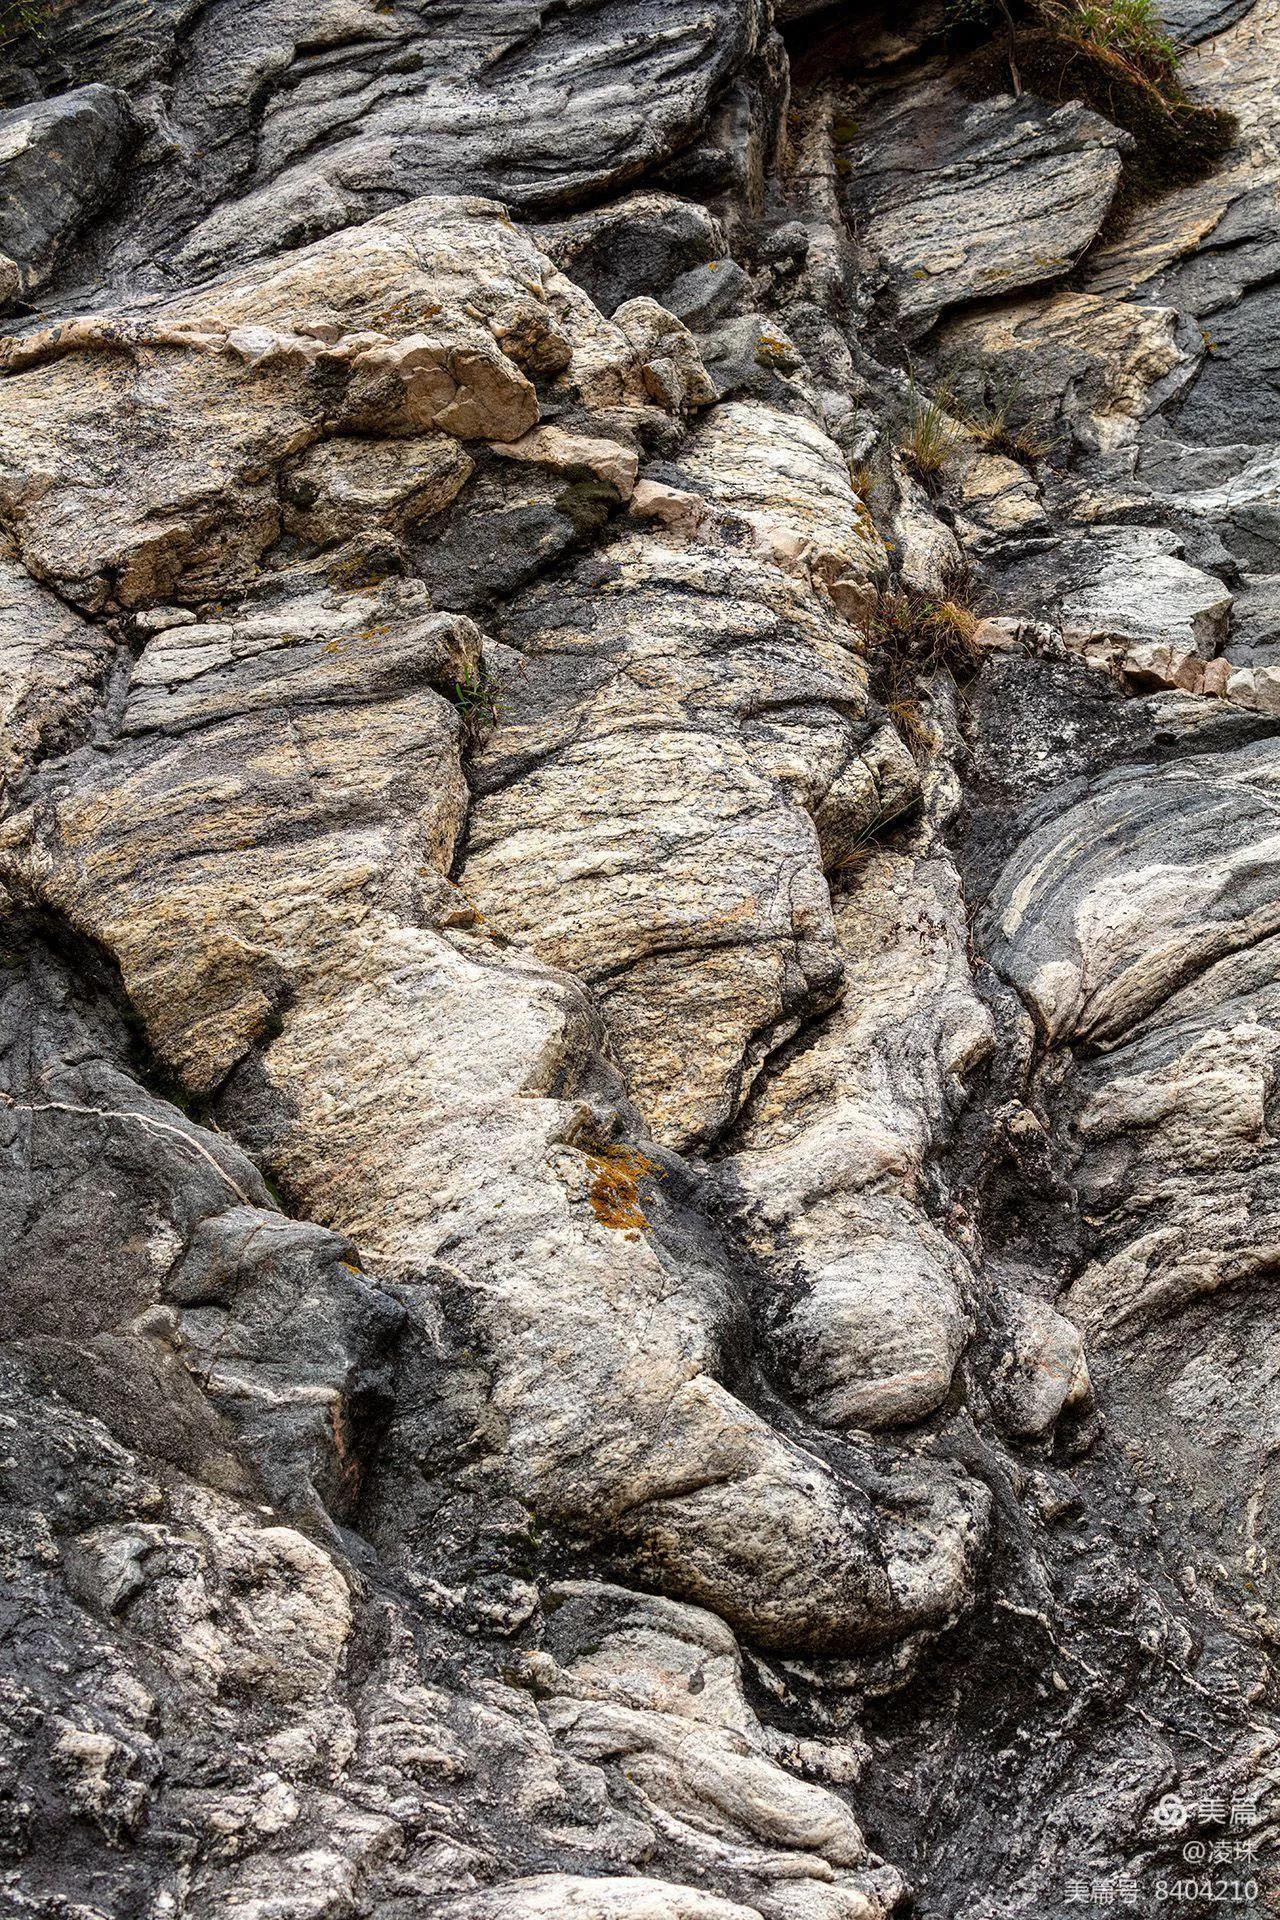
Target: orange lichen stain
<point>614,1193</point>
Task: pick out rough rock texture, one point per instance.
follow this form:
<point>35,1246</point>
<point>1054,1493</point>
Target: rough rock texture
<point>968,199</point>
<point>640,1007</point>
<point>60,160</point>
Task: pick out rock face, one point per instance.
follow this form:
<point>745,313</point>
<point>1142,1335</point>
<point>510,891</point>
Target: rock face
<point>970,199</point>
<point>640,1026</point>
<point>60,161</point>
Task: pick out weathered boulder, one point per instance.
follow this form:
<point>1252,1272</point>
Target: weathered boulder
<point>60,161</point>
<point>872,1304</point>
<point>268,842</point>
<point>434,321</point>
<point>1039,1369</point>
<point>1071,362</point>
<point>966,199</point>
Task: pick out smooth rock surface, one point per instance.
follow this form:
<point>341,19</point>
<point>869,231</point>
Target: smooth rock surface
<point>60,161</point>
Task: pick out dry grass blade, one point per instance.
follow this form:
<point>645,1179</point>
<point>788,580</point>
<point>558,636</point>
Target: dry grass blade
<point>930,439</point>
<point>994,428</point>
<point>910,637</point>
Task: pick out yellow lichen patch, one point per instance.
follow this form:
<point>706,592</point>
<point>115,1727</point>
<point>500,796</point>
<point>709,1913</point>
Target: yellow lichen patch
<point>614,1193</point>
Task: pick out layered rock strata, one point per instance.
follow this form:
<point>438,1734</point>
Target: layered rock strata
<point>639,1025</point>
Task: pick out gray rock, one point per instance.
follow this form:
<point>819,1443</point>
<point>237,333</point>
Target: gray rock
<point>60,161</point>
<point>1120,585</point>
<point>641,244</point>
<point>1194,20</point>
<point>1242,508</point>
<point>1148,929</point>
<point>969,199</point>
<point>636,1100</point>
<point>53,665</point>
<point>1255,622</point>
<point>305,122</point>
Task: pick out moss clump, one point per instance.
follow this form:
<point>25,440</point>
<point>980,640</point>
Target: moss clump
<point>587,503</point>
<point>614,1193</point>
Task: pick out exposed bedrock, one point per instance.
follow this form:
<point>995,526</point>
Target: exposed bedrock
<point>639,1028</point>
<point>60,161</point>
<point>271,125</point>
<point>1140,922</point>
<point>703,667</point>
<point>970,199</point>
<point>265,852</point>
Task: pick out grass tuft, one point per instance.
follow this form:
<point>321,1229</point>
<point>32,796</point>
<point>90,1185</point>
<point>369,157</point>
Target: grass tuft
<point>862,478</point>
<point>930,439</point>
<point>1126,35</point>
<point>1116,56</point>
<point>910,637</point>
<point>477,695</point>
<point>994,428</point>
<point>869,841</point>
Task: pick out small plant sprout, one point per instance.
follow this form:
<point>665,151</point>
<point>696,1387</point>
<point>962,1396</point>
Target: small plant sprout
<point>477,694</point>
<point>864,848</point>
